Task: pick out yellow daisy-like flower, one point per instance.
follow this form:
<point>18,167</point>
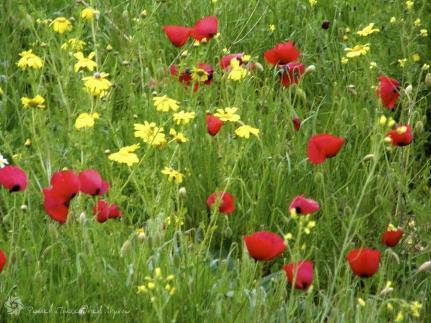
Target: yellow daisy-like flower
<point>86,120</point>
<point>36,102</point>
<point>173,175</point>
<point>368,30</point>
<point>125,155</point>
<point>61,25</point>
<point>179,137</point>
<point>73,44</point>
<point>409,4</point>
<point>358,50</point>
<point>89,13</point>
<point>228,114</point>
<point>165,104</point>
<point>245,131</point>
<point>85,62</point>
<point>237,72</point>
<point>183,117</point>
<point>97,85</point>
<point>150,134</point>
<point>199,74</point>
<point>28,59</point>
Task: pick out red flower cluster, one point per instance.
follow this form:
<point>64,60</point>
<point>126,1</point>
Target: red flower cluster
<point>285,56</point>
<point>204,28</point>
<point>66,184</point>
<point>13,178</point>
<point>227,202</point>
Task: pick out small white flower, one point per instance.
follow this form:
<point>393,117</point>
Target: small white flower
<point>3,161</point>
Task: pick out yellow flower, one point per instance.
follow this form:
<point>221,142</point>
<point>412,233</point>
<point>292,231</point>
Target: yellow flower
<point>358,50</point>
<point>199,74</point>
<point>237,72</point>
<point>86,120</point>
<point>228,114</point>
<point>164,103</point>
<point>373,65</point>
<point>173,175</point>
<point>425,67</point>
<point>36,102</point>
<point>368,30</point>
<point>178,136</point>
<point>245,131</point>
<point>142,289</point>
<point>73,44</point>
<point>89,13</point>
<point>361,302</point>
<point>85,62</point>
<point>409,4</point>
<point>125,155</point>
<point>418,22</point>
<point>97,85</point>
<point>28,59</point>
<point>424,32</point>
<point>393,20</point>
<point>150,134</point>
<point>402,62</point>
<point>344,60</point>
<point>312,2</point>
<point>399,317</point>
<point>416,57</point>
<point>271,28</point>
<point>61,25</point>
<point>183,117</point>
<point>416,307</point>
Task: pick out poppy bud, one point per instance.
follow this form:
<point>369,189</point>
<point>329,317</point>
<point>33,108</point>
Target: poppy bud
<point>125,248</point>
<point>425,266</point>
<point>24,207</point>
<point>325,24</point>
<point>300,93</point>
<point>428,79</point>
<point>409,89</point>
<point>296,123</point>
<point>319,178</point>
<point>182,192</point>
<point>82,218</point>
<point>310,69</point>
<point>419,127</point>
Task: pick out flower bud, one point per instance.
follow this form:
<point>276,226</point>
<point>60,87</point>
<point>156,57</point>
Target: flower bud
<point>428,79</point>
<point>125,248</point>
<point>182,191</point>
<point>409,89</point>
<point>82,218</point>
<point>425,266</point>
<point>310,69</point>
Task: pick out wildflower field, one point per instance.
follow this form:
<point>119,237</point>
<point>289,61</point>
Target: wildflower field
<point>215,161</point>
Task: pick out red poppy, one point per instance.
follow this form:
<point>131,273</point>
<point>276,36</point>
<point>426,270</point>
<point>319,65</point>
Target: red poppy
<point>300,274</point>
<point>103,211</point>
<point>291,73</point>
<point>92,183</point>
<point>392,236</point>
<point>66,184</point>
<point>296,123</point>
<point>323,146</point>
<point>388,91</point>
<point>178,35</point>
<point>364,262</point>
<point>401,136</point>
<point>186,76</point>
<point>205,28</point>
<point>227,202</point>
<point>264,245</point>
<point>3,260</point>
<point>225,61</point>
<point>55,205</point>
<point>13,178</point>
<point>282,53</point>
<point>213,124</point>
<point>302,205</point>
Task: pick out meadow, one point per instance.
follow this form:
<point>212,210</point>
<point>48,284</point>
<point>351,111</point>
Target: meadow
<point>215,161</point>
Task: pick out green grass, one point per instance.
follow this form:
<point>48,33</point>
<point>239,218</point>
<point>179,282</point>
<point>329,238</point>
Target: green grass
<point>60,269</point>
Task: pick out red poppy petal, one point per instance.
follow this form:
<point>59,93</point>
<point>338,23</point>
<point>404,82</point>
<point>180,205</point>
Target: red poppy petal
<point>178,35</point>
